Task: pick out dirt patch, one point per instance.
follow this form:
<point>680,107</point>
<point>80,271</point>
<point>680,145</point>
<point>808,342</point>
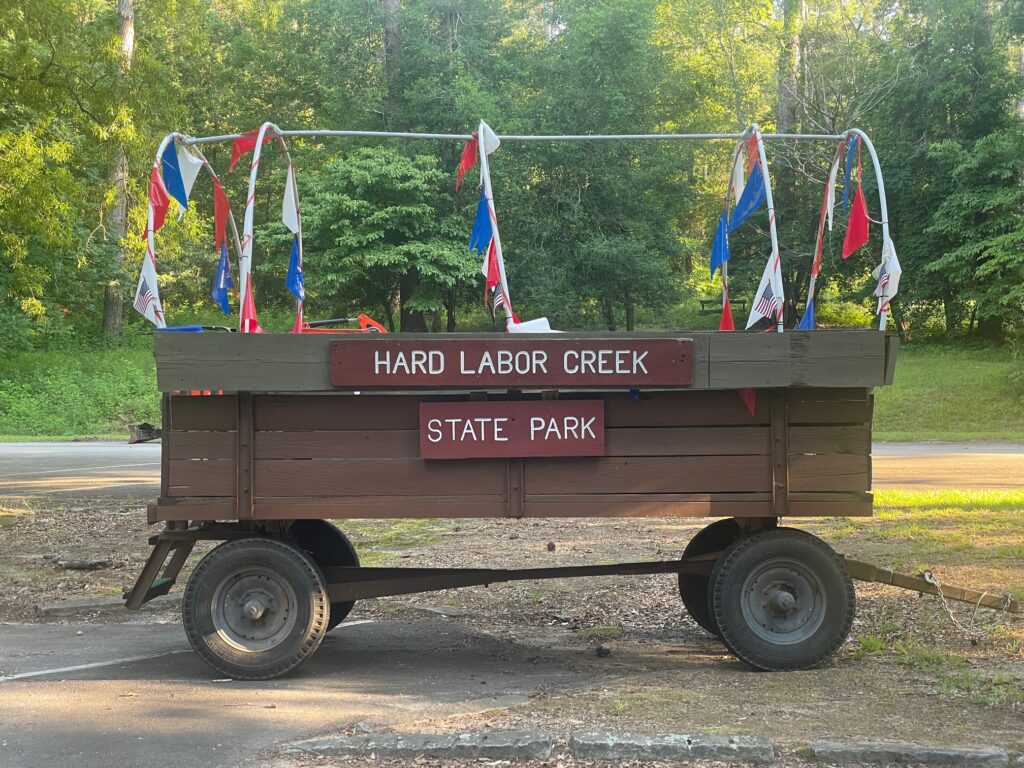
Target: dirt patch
<point>907,673</point>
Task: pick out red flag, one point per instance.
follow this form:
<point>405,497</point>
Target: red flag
<point>248,323</point>
<point>726,323</point>
<point>246,143</point>
<point>749,398</point>
<point>753,156</point>
<point>221,208</point>
<point>468,159</point>
<point>857,228</point>
<point>158,198</point>
<point>492,267</point>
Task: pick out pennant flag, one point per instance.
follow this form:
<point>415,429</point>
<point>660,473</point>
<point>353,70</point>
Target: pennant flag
<point>720,247</point>
<point>830,191</point>
<point>857,228</point>
<point>888,276</point>
<point>749,398</point>
<point>807,321</point>
<point>753,155</point>
<point>173,181</point>
<point>482,233</point>
<point>488,138</point>
<point>468,159</point>
<point>853,145</point>
<point>491,267</point>
<point>248,322</point>
<point>294,281</point>
<point>726,323</point>
<point>147,295</point>
<point>290,204</point>
<point>738,175</point>
<point>244,144</point>
<point>753,197</point>
<point>223,283</point>
<point>189,164</point>
<point>768,301</point>
<point>158,198</point>
<point>221,209</point>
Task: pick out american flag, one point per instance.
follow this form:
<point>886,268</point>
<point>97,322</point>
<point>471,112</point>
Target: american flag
<point>768,304</point>
<point>144,296</point>
<point>499,297</point>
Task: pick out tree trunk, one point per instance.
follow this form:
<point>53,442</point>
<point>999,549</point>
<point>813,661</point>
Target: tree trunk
<point>785,109</point>
<point>630,314</point>
<point>449,307</point>
<point>113,296</point>
<point>608,310</point>
<point>411,321</point>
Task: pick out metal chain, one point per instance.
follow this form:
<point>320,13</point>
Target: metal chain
<point>973,631</point>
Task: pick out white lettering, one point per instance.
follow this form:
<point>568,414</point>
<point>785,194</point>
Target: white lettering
<point>638,361</point>
<point>587,426</point>
<point>540,359</point>
<point>553,427</point>
<point>571,368</point>
<point>419,361</point>
<point>436,361</point>
<point>400,362</point>
<point>499,430</point>
<point>462,364</point>
<point>486,362</point>
<point>379,362</point>
<point>571,423</point>
<point>434,428</point>
<point>536,425</point>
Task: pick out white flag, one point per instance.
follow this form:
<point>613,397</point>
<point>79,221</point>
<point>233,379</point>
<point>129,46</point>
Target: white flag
<point>488,138</point>
<point>738,182</point>
<point>830,191</point>
<point>189,165</point>
<point>147,295</point>
<point>290,204</point>
<point>768,299</point>
<point>888,275</point>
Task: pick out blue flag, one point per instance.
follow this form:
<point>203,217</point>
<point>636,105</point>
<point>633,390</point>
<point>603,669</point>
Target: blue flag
<point>481,235</point>
<point>295,282</point>
<point>851,148</point>
<point>751,199</point>
<point>172,175</point>
<point>807,321</point>
<point>720,247</point>
<point>222,283</point>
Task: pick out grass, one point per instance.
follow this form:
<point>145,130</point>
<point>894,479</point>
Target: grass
<point>950,394</point>
<point>377,540</point>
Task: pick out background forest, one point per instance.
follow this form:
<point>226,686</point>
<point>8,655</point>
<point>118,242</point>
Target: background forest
<point>612,235</point>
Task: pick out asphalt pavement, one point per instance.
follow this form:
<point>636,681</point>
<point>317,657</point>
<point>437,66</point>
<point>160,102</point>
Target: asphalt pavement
<point>104,469</point>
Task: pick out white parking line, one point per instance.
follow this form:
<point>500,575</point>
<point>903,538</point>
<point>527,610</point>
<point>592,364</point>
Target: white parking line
<point>82,469</point>
<point>93,665</point>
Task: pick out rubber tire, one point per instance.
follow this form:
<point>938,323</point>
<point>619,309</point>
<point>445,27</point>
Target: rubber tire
<point>727,583</point>
<point>287,561</point>
<point>328,546</point>
<point>693,588</point>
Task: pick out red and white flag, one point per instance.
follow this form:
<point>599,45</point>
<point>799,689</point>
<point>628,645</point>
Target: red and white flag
<point>768,301</point>
<point>888,276</point>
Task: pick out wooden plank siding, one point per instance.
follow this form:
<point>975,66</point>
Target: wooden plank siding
<point>668,453</point>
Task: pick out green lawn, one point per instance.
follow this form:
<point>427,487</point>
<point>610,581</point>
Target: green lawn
<point>950,394</point>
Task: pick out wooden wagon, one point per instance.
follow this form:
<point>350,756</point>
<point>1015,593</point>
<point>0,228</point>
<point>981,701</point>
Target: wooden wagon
<point>311,428</point>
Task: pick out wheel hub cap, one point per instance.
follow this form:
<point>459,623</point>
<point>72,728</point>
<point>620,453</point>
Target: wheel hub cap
<point>783,601</point>
<point>253,609</point>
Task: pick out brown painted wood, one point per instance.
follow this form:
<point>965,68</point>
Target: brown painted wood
<point>722,360</point>
<point>381,507</point>
<point>339,444</point>
<point>213,412</point>
<point>294,413</point>
<point>687,441</point>
<point>892,345</point>
<point>165,445</point>
<point>676,409</point>
<point>824,406</point>
<point>508,429</point>
<point>780,453</point>
<point>810,439</point>
<point>851,504</point>
<point>830,473</point>
<point>516,488</point>
<point>201,445</point>
<point>655,474</point>
<point>244,441</point>
<point>190,508</point>
<point>649,505</point>
<point>379,477</point>
<point>202,478</point>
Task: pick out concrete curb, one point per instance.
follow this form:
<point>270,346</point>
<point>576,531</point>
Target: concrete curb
<point>63,609</point>
<point>884,754</point>
<point>495,745</point>
<point>605,745</point>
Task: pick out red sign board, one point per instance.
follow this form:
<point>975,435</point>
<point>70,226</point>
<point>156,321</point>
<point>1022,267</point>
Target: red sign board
<point>383,362</point>
<point>496,429</point>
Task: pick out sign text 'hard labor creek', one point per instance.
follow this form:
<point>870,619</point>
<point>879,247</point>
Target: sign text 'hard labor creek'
<point>502,429</point>
<point>510,362</point>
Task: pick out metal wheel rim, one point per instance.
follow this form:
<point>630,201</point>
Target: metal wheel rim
<point>783,601</point>
<point>239,597</point>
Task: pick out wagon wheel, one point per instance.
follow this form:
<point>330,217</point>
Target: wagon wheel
<point>782,599</point>
<point>329,547</point>
<point>693,587</point>
<point>255,608</point>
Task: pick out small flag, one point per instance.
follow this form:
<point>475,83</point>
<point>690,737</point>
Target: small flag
<point>159,199</point>
<point>753,154</point>
<point>244,144</point>
<point>720,246</point>
<point>726,323</point>
<point>223,283</point>
<point>468,159</point>
<point>147,294</point>
<point>768,301</point>
<point>857,227</point>
<point>482,233</point>
<point>749,398</point>
<point>173,181</point>
<point>144,296</point>
<point>753,197</point>
<point>290,204</point>
<point>189,164</point>
<point>248,322</point>
<point>488,138</point>
<point>221,209</point>
<point>830,191</point>
<point>853,144</point>
<point>738,175</point>
<point>888,276</point>
<point>295,281</point>
<point>491,268</point>
<point>807,321</point>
